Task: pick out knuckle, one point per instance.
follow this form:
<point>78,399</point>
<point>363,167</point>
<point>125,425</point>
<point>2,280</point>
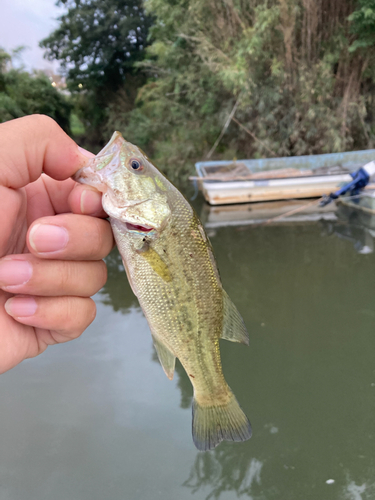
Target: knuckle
<point>82,309</point>
<point>82,312</point>
<point>44,121</point>
<point>65,275</point>
<point>92,315</point>
<point>100,236</point>
<point>74,313</point>
<point>102,274</point>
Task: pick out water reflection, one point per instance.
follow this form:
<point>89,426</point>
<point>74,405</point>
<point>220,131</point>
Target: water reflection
<point>355,216</point>
<point>354,491</point>
<point>361,489</point>
<point>345,221</point>
<point>117,292</point>
<point>356,226</point>
<point>226,469</point>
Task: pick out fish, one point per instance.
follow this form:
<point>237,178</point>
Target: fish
<point>171,268</point>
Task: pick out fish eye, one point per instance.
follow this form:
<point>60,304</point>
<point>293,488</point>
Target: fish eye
<point>135,164</point>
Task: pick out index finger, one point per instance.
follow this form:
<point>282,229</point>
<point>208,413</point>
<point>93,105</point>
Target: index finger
<point>34,144</point>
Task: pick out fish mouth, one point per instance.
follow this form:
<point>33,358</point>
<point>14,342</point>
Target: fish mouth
<point>137,228</point>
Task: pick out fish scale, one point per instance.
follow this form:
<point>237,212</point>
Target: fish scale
<point>170,265</point>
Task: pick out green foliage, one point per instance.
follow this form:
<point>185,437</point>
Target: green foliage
<point>293,66</point>
<point>98,42</point>
<point>363,25</point>
<point>5,60</point>
<point>76,126</point>
<point>23,94</point>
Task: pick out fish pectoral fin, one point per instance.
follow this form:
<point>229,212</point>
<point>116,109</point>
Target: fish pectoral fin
<point>166,358</point>
<point>234,328</point>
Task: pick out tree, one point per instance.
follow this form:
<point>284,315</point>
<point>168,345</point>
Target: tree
<point>98,43</point>
<point>22,93</point>
<point>290,68</point>
<point>363,25</point>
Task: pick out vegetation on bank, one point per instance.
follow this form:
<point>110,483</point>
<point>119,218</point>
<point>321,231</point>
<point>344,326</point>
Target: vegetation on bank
<point>22,93</point>
<point>296,76</point>
<point>298,73</point>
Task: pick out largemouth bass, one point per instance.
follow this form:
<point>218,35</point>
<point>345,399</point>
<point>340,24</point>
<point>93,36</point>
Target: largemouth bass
<point>171,269</point>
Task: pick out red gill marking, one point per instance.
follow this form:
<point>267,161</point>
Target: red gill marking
<point>134,227</point>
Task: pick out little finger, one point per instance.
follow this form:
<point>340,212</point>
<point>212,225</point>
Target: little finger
<point>65,317</point>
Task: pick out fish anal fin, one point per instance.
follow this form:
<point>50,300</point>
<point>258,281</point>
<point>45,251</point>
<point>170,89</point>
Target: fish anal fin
<point>234,328</point>
<point>166,357</point>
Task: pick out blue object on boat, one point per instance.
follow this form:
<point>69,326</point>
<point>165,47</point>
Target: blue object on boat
<point>360,179</point>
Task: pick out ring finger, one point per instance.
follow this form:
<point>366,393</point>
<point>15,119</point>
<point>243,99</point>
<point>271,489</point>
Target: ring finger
<point>29,275</point>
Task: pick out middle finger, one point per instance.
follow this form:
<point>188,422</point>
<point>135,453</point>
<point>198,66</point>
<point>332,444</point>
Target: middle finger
<point>70,237</point>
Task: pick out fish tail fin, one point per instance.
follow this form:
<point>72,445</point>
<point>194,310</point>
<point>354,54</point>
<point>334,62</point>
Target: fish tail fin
<point>213,424</point>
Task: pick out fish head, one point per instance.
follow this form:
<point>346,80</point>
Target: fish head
<point>134,191</point>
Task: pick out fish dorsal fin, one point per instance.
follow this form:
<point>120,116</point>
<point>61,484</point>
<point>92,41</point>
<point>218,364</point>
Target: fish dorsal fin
<point>166,358</point>
<point>234,328</point>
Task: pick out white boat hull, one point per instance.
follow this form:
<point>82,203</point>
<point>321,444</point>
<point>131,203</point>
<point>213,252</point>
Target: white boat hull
<point>222,193</point>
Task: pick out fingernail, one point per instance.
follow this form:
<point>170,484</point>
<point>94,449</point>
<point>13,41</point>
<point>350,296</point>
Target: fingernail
<point>20,306</point>
<point>15,272</point>
<point>45,238</point>
<point>86,153</point>
<point>90,201</point>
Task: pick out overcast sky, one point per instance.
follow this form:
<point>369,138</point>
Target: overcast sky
<point>26,22</point>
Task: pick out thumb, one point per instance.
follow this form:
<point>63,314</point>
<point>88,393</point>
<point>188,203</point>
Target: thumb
<point>35,144</point>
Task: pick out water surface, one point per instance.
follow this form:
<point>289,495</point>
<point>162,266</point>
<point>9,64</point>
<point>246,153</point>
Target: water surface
<point>97,418</point>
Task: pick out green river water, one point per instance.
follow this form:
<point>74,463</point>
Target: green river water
<point>97,418</point>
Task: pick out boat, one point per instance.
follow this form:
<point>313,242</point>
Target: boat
<point>297,177</point>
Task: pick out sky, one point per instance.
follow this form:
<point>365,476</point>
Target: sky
<point>26,22</point>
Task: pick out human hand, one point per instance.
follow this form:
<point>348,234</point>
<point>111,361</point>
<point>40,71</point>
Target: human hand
<point>52,239</point>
